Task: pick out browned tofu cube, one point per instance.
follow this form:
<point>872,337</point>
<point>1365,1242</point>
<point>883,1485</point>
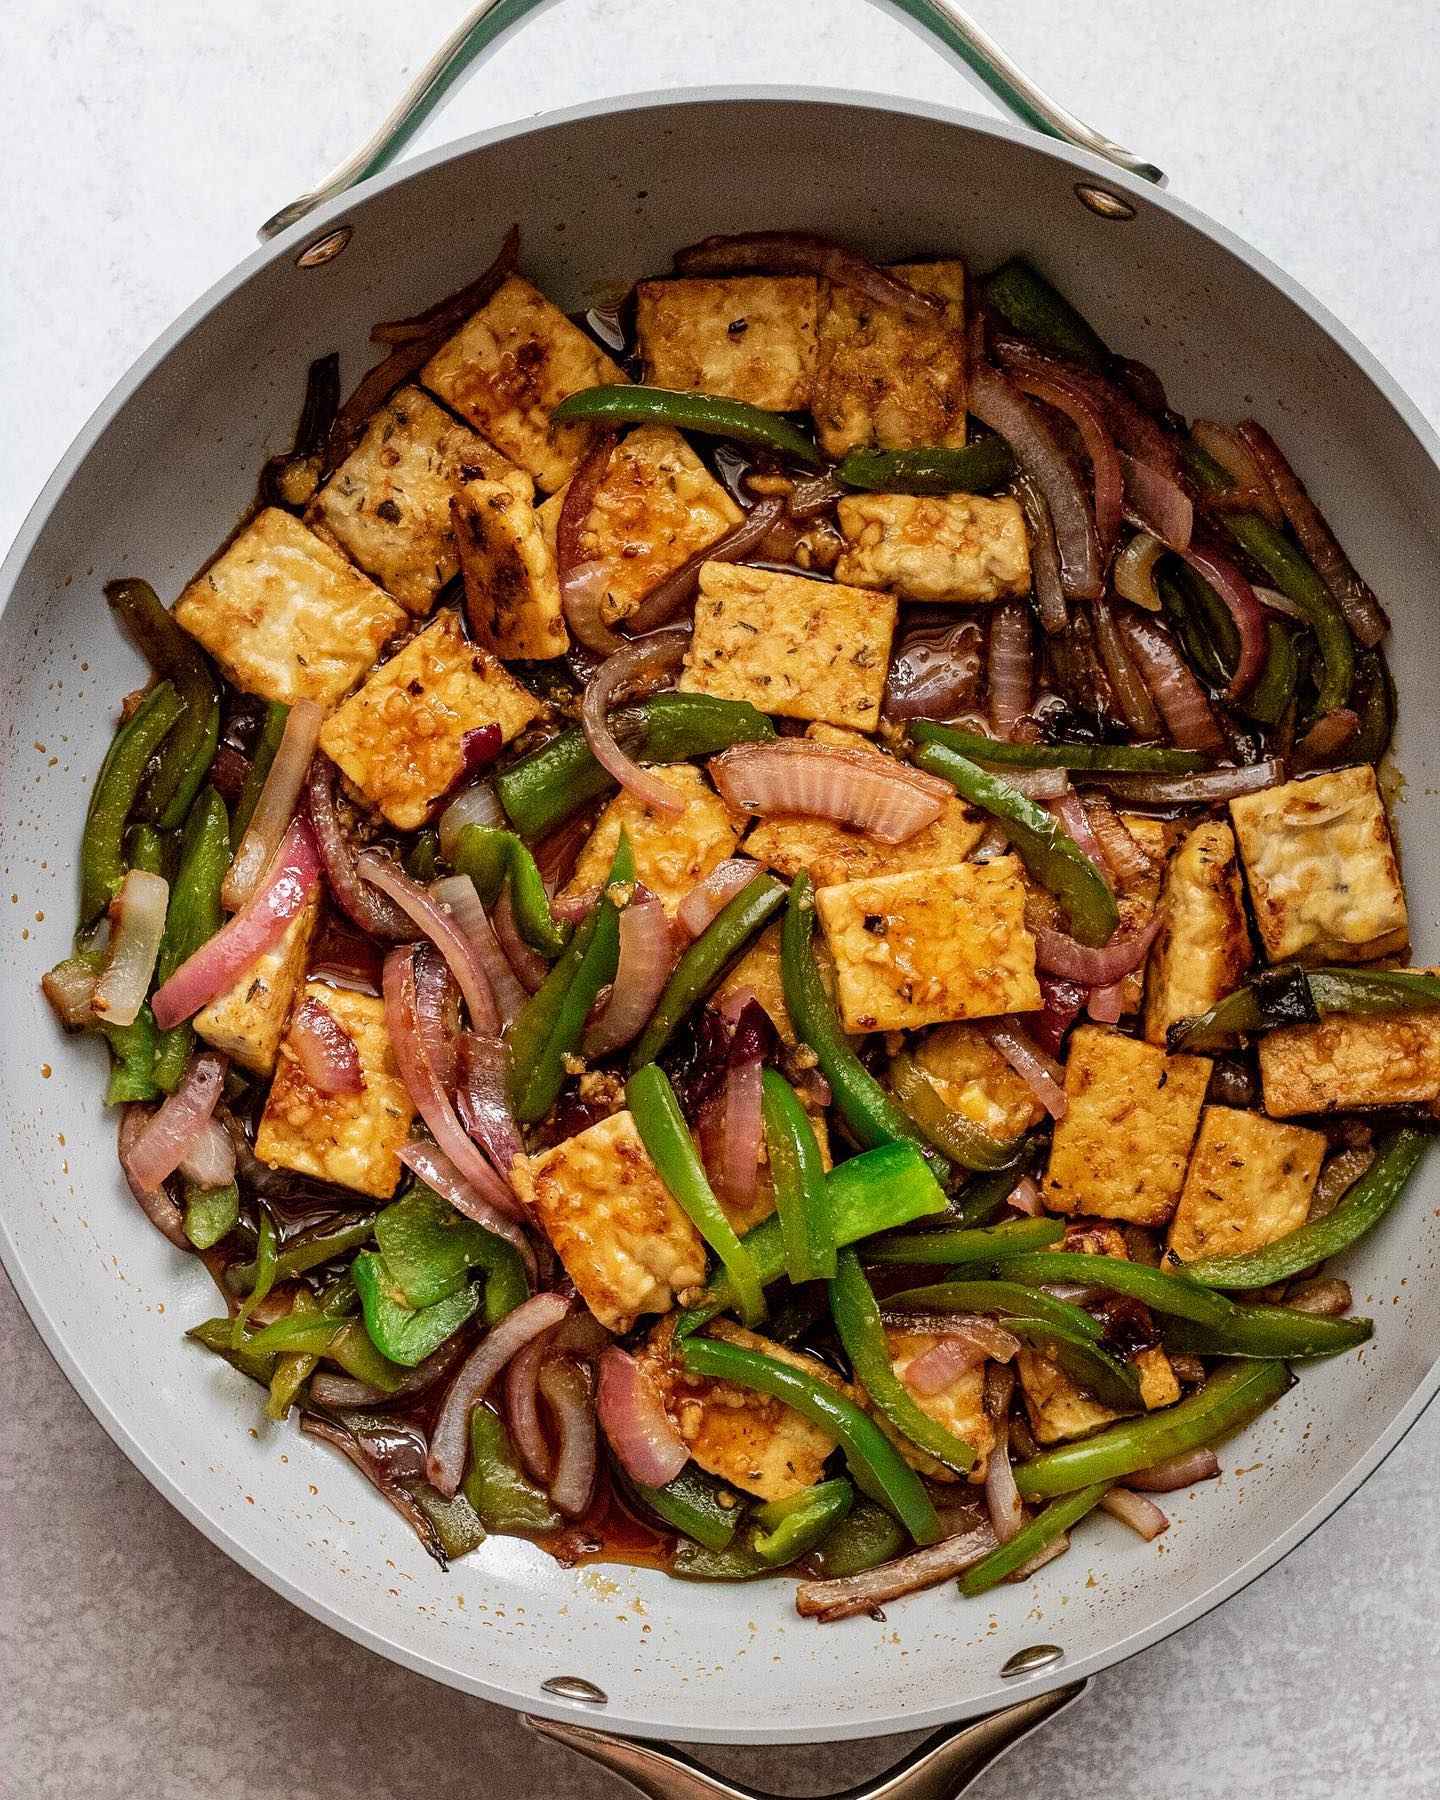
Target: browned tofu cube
<point>935,547</point>
<point>959,1407</point>
<point>512,589</point>
<point>1352,1060</point>
<point>747,337</point>
<point>1203,948</point>
<point>1059,1410</point>
<point>672,852</point>
<point>248,1020</point>
<point>800,648</point>
<point>974,1080</point>
<point>1121,1150</point>
<point>1250,1182</point>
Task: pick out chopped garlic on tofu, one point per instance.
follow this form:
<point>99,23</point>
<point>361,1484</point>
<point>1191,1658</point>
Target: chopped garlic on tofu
<point>350,1139</point>
<point>1250,1182</point>
<point>672,853</point>
<point>248,1020</point>
<point>1352,1060</point>
<point>940,547</point>
<point>746,337</point>
<point>1203,947</point>
<point>399,740</point>
<point>512,589</point>
<point>285,615</point>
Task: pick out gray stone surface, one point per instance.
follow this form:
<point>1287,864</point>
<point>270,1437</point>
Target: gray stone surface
<point>143,145</point>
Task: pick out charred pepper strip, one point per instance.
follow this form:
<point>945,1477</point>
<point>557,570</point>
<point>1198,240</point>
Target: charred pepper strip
<point>193,917</point>
<point>1027,303</point>
<point>1235,1394</point>
<point>266,1271</point>
<point>1375,703</point>
<point>174,655</point>
<point>1372,1196</point>
<point>671,1148</point>
<point>694,1503</point>
<point>1003,1297</point>
<point>798,1175</point>
<point>1289,995</point>
<point>866,1537</point>
<point>711,415</point>
<point>988,1244</point>
<point>132,1051</point>
<point>1178,1296</point>
<point>102,860</point>
<point>267,744</point>
<point>542,790</point>
<point>703,965</point>
<point>978,468</point>
<point>1050,854</point>
<point>876,1464</point>
<point>1265,1331</point>
<point>1132,759</point>
<point>487,855</point>
<point>293,1370</point>
<point>952,1133</point>
<point>857,1320</point>
<point>1032,1538</point>
<point>870,1115</point>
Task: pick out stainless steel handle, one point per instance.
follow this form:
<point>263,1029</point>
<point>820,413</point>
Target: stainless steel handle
<point>942,1767</point>
<point>975,50</point>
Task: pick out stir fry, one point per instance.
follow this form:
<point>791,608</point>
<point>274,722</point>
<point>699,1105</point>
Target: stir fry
<point>758,932</point>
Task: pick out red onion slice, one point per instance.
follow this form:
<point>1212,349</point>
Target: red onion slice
<point>1130,690</point>
<point>1024,1197</point>
<point>1072,815</point>
<point>567,1392</point>
<point>709,898</point>
<point>1327,738</point>
<point>257,927</point>
<point>441,929</point>
<point>1063,1000</point>
<point>1106,1005</point>
<point>1134,571</point>
<point>1036,784</point>
<point>330,1389</point>
<point>366,905</point>
<point>1002,1497</point>
<point>1176,1472</point>
<point>170,1133</point>
<point>935,672</point>
<point>1127,421</point>
<point>805,253</point>
<point>137,923</point>
<point>1045,572</point>
<point>1040,1073</point>
<point>828,1601</point>
<point>1010,669</point>
<point>154,1202</point>
<point>1245,610</point>
<point>529,966</point>
<point>325,1049</point>
<point>868,791</point>
<point>437,1170</point>
<point>583,581</point>
<point>1157,504</point>
<point>1328,1296</point>
<point>1068,397</point>
<point>742,1134</point>
<point>445,314</point>
<point>1173,688</point>
<point>276,806</point>
<point>636,661</point>
<point>647,955</point>
<point>1137,1511</point>
<point>482,1102</point>
<point>457,896</point>
<point>668,597</point>
<point>450,1437</point>
<point>522,1406</point>
<point>632,1413</point>
<point>966,1343</point>
<point>1062,955</point>
<point>1197,790</point>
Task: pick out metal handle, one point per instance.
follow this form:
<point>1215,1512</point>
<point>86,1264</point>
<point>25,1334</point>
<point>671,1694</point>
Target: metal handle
<point>975,50</point>
<point>940,1768</point>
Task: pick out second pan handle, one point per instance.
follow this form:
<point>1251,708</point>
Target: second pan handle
<point>974,49</point>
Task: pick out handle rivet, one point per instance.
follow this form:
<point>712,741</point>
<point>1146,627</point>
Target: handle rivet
<point>1102,202</point>
<point>1033,1659</point>
<point>575,1687</point>
<point>325,249</point>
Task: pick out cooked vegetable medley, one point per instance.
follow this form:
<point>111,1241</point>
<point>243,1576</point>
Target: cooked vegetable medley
<point>759,933</point>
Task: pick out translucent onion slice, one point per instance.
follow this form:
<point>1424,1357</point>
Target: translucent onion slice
<point>137,923</point>
<point>872,793</point>
<point>276,806</point>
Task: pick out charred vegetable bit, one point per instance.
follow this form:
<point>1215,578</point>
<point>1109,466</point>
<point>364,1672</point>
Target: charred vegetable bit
<point>978,468</point>
<point>1287,994</point>
<point>102,859</point>
<point>1120,759</point>
<point>175,657</point>
<point>1032,1538</point>
<point>711,415</point>
<point>802,1200</point>
<point>1027,303</point>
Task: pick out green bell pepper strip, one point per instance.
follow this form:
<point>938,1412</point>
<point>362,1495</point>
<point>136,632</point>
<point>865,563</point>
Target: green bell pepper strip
<point>301,1331</point>
<point>870,1114</point>
<point>456,1524</point>
<point>267,744</point>
<point>1178,1296</point>
<point>175,656</point>
<point>1113,1384</point>
<point>711,415</point>
<point>1235,1393</point>
<point>1202,623</point>
<point>1028,304</point>
<point>321,1247</point>
<point>1279,678</point>
<point>214,1334</point>
<point>1269,1331</point>
<point>407,1334</point>
<point>192,918</point>
<point>866,1537</point>
<point>211,1213</point>
<point>354,1351</point>
<point>1032,1538</point>
<point>1050,854</point>
<point>671,1148</point>
<point>958,1244</point>
<point>1002,1297</point>
<point>132,1049</point>
<point>1375,703</point>
<point>875,1191</point>
<point>703,965</point>
<point>117,788</point>
<point>778,1533</point>
<point>978,468</point>
<point>878,1467</point>
<point>266,1272</point>
<point>979,1200</point>
<point>1361,991</point>
<point>542,790</point>
<point>429,1250</point>
<point>488,855</point>
<point>548,1028</point>
<point>421,860</point>
<point>1132,759</point>
<point>295,1368</point>
<point>857,1320</point>
<point>500,1491</point>
<point>695,1504</point>
<point>798,1176</point>
<point>1288,570</point>
<point>1372,1196</point>
<point>147,850</point>
<point>952,1133</point>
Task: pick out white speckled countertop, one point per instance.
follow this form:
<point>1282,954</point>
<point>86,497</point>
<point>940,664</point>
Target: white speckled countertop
<point>143,145</point>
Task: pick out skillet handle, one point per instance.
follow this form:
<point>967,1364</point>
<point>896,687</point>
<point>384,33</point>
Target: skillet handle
<point>974,49</point>
<point>939,1769</point>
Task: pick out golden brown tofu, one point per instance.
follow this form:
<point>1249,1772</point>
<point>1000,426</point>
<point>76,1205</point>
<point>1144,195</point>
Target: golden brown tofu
<point>759,971</point>
<point>285,616</point>
<point>399,741</point>
<point>623,1240</point>
<point>834,853</point>
<point>1321,868</point>
<point>750,1440</point>
<point>1250,1182</point>
<point>388,504</point>
<point>507,368</point>
<point>512,590</point>
<point>671,854</point>
<point>1121,1150</point>
<point>657,506</point>
<point>1058,1409</point>
<point>959,1407</point>
<point>1203,948</point>
<point>747,337</point>
<point>888,380</point>
<point>942,547</point>
<point>974,1080</point>
<point>350,1139</point>
<point>1351,1060</point>
<point>248,1021</point>
<point>930,945</point>
<point>800,648</point>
